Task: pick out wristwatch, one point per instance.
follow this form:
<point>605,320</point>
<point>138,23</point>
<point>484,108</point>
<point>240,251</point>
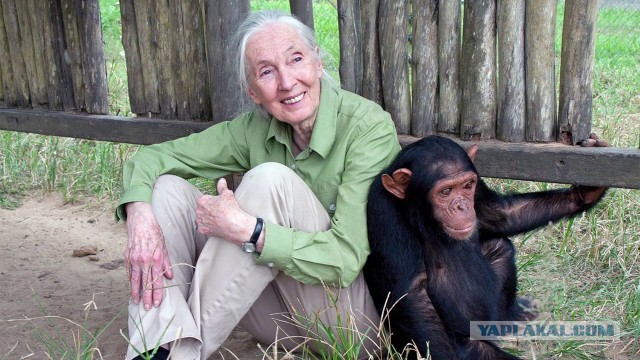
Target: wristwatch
<point>250,246</point>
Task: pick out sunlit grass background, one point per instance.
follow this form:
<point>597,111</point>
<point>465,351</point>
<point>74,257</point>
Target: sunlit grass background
<point>584,269</point>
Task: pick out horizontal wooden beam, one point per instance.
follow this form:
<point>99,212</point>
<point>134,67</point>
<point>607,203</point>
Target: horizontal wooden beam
<point>122,129</point>
<point>614,167</point>
<point>557,163</point>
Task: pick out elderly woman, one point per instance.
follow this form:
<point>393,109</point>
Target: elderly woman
<point>199,265</point>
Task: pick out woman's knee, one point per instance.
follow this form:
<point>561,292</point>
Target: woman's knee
<point>174,191</point>
<point>267,175</point>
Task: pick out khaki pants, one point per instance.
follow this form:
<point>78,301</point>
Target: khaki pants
<point>217,286</point>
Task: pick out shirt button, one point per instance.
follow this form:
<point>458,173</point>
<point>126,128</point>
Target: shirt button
<point>270,265</point>
<point>332,207</point>
<point>293,166</point>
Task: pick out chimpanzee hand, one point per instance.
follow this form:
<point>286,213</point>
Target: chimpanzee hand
<point>221,216</point>
<point>146,256</point>
<point>591,194</point>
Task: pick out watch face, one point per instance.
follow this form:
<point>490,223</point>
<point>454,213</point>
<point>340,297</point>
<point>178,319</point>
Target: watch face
<point>248,247</point>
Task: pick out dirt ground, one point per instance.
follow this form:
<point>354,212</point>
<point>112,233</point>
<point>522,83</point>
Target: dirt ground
<point>37,241</point>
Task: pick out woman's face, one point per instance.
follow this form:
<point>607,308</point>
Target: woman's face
<point>284,75</point>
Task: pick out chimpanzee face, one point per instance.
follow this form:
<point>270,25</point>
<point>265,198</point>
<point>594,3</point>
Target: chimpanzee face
<point>452,202</point>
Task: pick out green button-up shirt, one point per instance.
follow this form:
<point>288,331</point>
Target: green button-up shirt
<point>353,140</point>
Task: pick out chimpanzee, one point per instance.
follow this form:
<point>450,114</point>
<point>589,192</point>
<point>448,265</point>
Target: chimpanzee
<point>439,237</point>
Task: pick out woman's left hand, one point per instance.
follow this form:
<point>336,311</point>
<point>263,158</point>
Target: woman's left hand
<point>221,216</point>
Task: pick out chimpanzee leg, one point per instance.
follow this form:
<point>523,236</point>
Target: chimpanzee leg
<point>501,255</point>
<point>482,350</point>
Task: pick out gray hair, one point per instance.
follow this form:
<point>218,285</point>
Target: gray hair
<point>253,24</point>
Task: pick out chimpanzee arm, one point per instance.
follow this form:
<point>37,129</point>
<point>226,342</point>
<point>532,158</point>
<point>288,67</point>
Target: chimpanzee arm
<point>505,215</point>
<point>413,319</point>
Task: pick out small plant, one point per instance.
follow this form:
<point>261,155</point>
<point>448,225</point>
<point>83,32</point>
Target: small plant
<point>83,342</point>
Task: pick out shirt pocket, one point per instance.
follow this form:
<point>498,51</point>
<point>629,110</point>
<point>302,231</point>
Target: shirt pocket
<point>328,197</point>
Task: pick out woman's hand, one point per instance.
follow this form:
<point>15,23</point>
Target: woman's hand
<point>146,256</point>
<point>221,216</point>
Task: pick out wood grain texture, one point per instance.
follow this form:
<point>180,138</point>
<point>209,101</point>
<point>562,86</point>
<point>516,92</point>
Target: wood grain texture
<point>350,45</point>
<point>540,30</point>
<point>478,74</point>
<point>449,26</point>
<point>576,71</point>
<point>511,84</point>
<point>393,36</point>
<point>424,67</point>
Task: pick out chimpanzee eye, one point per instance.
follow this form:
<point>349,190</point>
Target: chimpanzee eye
<point>445,192</point>
<point>469,184</point>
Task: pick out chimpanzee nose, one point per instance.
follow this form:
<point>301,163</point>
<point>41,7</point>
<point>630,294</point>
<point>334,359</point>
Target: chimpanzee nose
<point>461,204</point>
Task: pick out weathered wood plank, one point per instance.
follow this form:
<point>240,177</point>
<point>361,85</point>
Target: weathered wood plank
<point>556,163</point>
<point>449,66</point>
<point>371,72</point>
<point>27,52</point>
<point>350,45</point>
<point>135,83</point>
<point>222,18</point>
<point>8,89</point>
<point>59,90</point>
<point>424,66</point>
<point>18,68</point>
<point>198,75</point>
<point>478,75</point>
<point>303,10</point>
<point>163,36</point>
<point>616,167</point>
<point>36,9</point>
<point>540,29</point>
<point>511,86</point>
<point>71,10</point>
<point>97,127</point>
<point>392,22</point>
<point>93,63</point>
<point>144,17</point>
<point>576,71</point>
<point>179,58</point>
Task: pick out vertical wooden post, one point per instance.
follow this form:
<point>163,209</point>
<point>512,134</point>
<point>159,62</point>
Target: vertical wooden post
<point>95,73</point>
<point>144,17</point>
<point>478,70</point>
<point>133,59</point>
<point>20,77</point>
<point>195,51</point>
<point>424,65</point>
<point>27,52</point>
<point>61,73</point>
<point>222,18</point>
<point>163,36</point>
<point>35,10</point>
<point>395,73</point>
<point>74,49</point>
<point>303,10</point>
<point>449,66</point>
<point>540,25</point>
<point>576,71</point>
<point>350,47</point>
<point>8,85</point>
<point>371,72</point>
<point>511,85</point>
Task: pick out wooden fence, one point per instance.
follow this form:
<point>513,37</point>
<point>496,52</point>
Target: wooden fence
<point>489,74</point>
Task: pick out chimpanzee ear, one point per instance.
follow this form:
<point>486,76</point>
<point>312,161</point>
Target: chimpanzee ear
<point>397,182</point>
<point>471,151</point>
